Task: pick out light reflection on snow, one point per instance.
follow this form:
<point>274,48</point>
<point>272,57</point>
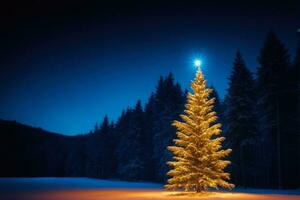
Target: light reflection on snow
<point>148,194</point>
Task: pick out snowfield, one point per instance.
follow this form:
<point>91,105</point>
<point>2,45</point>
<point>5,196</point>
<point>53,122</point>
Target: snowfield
<point>94,189</point>
<point>12,184</point>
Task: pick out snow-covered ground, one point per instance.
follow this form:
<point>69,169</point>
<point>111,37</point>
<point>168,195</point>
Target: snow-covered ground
<point>45,183</point>
<point>94,189</point>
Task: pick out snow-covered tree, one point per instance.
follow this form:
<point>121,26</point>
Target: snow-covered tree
<point>198,155</point>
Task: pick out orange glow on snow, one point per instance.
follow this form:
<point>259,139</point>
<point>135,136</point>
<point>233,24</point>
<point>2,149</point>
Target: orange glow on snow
<point>141,194</point>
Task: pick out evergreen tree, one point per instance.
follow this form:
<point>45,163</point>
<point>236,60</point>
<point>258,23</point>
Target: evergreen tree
<point>94,160</point>
<point>107,148</point>
<point>296,111</point>
<point>169,102</point>
<point>99,152</point>
<point>198,159</point>
<point>130,152</point>
<point>241,124</point>
<point>290,123</point>
<point>272,90</point>
<point>148,137</point>
<point>121,133</point>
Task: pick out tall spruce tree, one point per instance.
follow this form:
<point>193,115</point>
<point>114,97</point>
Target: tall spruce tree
<point>272,82</point>
<point>198,158</point>
<point>169,102</point>
<point>148,137</point>
<point>291,140</point>
<point>99,152</point>
<point>130,151</point>
<point>107,148</point>
<point>241,124</point>
<point>121,134</point>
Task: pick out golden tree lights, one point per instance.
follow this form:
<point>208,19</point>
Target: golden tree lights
<point>198,162</point>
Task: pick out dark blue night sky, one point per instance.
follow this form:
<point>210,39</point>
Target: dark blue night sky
<point>64,66</point>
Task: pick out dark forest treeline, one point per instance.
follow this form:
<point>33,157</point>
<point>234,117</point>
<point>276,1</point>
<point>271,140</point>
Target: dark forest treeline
<point>260,117</point>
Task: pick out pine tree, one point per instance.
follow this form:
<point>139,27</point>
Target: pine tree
<point>198,158</point>
<point>240,120</point>
<point>296,148</point>
<point>290,143</point>
<point>272,82</point>
<point>107,148</point>
<point>169,102</point>
<point>99,149</point>
<point>94,150</point>
<point>148,138</point>
<point>130,148</point>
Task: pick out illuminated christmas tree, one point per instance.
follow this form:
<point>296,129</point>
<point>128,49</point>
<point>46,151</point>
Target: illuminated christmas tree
<point>198,155</point>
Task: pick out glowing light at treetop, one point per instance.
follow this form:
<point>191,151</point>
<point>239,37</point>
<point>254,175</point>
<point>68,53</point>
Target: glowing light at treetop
<point>198,154</point>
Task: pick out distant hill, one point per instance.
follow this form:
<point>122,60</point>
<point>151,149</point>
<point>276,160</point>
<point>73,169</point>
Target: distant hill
<point>26,151</point>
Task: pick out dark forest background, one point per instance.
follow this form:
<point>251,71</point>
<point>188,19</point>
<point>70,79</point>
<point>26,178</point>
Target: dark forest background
<point>260,119</point>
